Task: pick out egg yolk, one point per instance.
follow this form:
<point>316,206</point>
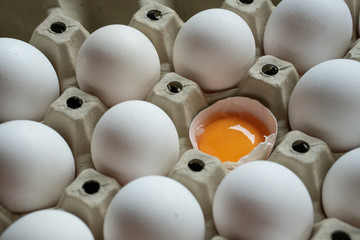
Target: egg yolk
<point>231,138</point>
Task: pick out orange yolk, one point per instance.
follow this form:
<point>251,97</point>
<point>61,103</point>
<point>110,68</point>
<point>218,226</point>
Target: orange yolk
<point>231,138</point>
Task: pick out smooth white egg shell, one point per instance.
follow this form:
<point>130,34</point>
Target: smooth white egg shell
<point>48,224</point>
<point>36,165</point>
<point>28,81</point>
<point>340,193</point>
<point>214,48</point>
<point>117,63</point>
<point>325,104</point>
<point>154,208</point>
<point>308,32</point>
<point>133,139</point>
<point>263,200</point>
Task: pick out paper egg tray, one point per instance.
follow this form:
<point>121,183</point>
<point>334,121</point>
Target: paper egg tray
<point>59,27</point>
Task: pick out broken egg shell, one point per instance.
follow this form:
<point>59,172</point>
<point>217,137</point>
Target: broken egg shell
<point>238,105</point>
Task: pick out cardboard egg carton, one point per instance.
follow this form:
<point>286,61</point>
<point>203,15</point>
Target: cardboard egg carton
<point>58,28</point>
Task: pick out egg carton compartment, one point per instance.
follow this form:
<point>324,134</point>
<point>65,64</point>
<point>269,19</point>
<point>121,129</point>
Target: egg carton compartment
<point>74,115</point>
<point>58,29</point>
<point>88,198</point>
<point>332,228</point>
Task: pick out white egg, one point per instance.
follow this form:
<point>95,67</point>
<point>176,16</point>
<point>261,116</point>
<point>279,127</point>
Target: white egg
<point>214,48</point>
<point>117,63</point>
<point>263,200</point>
<point>308,32</point>
<point>28,81</point>
<point>133,139</point>
<point>48,224</point>
<point>36,165</point>
<point>154,208</point>
<point>325,104</point>
<point>340,193</point>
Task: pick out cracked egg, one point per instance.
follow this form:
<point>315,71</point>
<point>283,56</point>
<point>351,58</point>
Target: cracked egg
<point>235,130</point>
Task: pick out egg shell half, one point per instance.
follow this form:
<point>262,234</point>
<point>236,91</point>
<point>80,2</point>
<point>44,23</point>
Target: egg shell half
<point>237,105</point>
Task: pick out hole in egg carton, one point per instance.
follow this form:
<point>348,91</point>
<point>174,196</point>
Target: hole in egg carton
<point>174,87</point>
<point>300,146</point>
<point>334,229</point>
<point>340,235</point>
<point>187,8</point>
<point>196,165</point>
<point>270,69</point>
<point>154,15</point>
<point>74,102</point>
<point>246,1</point>
<point>58,27</point>
<point>91,187</point>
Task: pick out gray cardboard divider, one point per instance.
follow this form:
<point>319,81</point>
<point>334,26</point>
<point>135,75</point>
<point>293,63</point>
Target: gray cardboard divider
<point>180,98</point>
<point>88,197</point>
<point>332,228</point>
<point>310,159</point>
<point>151,20</point>
<point>74,116</point>
<point>60,38</point>
<point>201,174</point>
<point>255,14</point>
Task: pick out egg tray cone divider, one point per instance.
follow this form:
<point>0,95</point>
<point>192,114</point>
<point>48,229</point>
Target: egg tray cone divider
<point>60,38</point>
<point>151,20</point>
<point>180,98</point>
<point>74,116</point>
<point>88,197</point>
<point>250,13</point>
<point>6,218</point>
<point>310,159</point>
<point>58,29</point>
<point>271,81</point>
<point>332,228</point>
<point>354,52</point>
<point>201,174</point>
